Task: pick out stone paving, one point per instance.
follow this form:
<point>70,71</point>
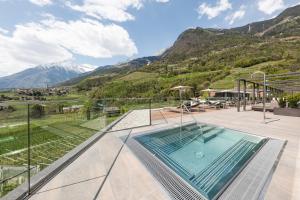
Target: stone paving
<point>135,118</point>
<point>128,179</point>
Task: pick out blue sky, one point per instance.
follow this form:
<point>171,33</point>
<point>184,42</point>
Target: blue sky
<point>101,32</point>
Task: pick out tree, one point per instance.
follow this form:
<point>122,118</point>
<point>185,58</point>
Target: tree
<point>37,111</point>
<point>10,108</point>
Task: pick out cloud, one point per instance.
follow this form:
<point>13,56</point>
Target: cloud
<point>160,51</point>
<point>270,6</point>
<point>51,40</point>
<point>114,10</point>
<point>214,11</point>
<point>162,1</point>
<point>239,14</point>
<point>41,2</point>
<point>4,31</point>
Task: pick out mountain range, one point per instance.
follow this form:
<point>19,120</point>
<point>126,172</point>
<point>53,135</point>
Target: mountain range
<point>201,58</point>
<point>44,75</point>
<point>204,57</point>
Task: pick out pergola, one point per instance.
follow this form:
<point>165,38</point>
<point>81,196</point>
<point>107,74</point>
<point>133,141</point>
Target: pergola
<point>275,84</point>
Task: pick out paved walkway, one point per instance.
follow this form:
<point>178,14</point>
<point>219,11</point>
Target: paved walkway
<point>128,179</point>
<point>135,118</point>
<point>83,179</point>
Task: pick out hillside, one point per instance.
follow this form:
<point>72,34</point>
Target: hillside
<point>209,58</point>
<point>199,41</point>
<point>110,71</point>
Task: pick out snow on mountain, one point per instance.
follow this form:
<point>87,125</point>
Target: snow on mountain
<point>45,75</point>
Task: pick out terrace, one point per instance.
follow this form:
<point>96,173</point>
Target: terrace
<point>109,169</point>
<point>91,152</point>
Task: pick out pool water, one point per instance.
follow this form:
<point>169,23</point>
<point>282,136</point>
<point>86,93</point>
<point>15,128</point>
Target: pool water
<point>205,156</point>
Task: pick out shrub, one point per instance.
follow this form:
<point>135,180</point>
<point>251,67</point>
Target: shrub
<point>293,100</point>
<point>11,108</point>
<point>282,102</point>
<point>244,63</point>
<point>37,111</point>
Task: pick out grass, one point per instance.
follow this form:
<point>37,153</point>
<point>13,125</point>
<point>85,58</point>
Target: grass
<point>226,83</point>
<point>73,96</point>
<point>52,136</point>
<point>53,140</point>
<point>138,76</point>
<point>95,124</point>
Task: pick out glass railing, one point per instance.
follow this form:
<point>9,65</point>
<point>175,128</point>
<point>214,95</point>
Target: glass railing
<point>13,146</point>
<point>33,135</point>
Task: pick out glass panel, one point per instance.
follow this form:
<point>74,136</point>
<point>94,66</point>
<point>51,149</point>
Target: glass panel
<point>137,112</point>
<point>13,146</point>
<point>58,127</point>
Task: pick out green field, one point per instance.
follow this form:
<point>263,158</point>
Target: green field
<point>54,133</point>
<point>51,136</point>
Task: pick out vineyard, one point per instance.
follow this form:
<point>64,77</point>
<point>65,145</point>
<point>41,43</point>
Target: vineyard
<point>51,137</point>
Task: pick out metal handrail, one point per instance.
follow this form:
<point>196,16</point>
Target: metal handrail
<point>189,112</point>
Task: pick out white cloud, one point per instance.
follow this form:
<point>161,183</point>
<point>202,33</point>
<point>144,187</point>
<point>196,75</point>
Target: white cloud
<point>115,10</point>
<point>162,1</point>
<point>41,2</point>
<point>270,6</point>
<point>4,31</point>
<point>214,11</point>
<point>239,14</point>
<point>54,41</point>
<point>160,52</point>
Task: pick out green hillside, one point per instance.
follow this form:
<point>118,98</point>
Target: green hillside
<point>205,58</point>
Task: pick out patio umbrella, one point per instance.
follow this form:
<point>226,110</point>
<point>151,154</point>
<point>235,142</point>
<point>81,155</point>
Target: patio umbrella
<point>181,89</point>
<point>209,91</point>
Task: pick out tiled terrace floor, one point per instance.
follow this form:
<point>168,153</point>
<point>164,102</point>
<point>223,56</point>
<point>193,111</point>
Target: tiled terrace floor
<point>128,178</point>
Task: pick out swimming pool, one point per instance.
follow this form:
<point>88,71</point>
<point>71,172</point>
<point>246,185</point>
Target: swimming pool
<point>207,157</point>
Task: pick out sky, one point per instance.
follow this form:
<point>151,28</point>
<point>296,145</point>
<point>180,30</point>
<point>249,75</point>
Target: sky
<point>103,32</point>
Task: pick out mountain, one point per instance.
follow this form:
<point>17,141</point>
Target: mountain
<point>207,57</point>
<point>44,75</point>
<point>285,24</point>
<point>199,41</point>
<point>108,71</point>
<point>201,58</point>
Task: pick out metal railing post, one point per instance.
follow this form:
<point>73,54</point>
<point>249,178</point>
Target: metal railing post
<point>264,98</point>
<point>244,96</point>
<point>28,147</point>
<point>150,101</point>
<point>239,94</point>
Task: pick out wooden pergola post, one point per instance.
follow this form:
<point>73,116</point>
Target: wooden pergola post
<point>258,94</point>
<point>253,93</point>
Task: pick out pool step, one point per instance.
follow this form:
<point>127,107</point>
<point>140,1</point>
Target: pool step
<point>178,141</point>
<point>210,135</point>
<point>222,169</point>
<point>173,164</point>
<point>207,129</point>
<point>181,141</point>
<point>161,153</point>
<point>194,127</point>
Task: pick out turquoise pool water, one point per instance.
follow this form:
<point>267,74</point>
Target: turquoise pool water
<point>206,156</point>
